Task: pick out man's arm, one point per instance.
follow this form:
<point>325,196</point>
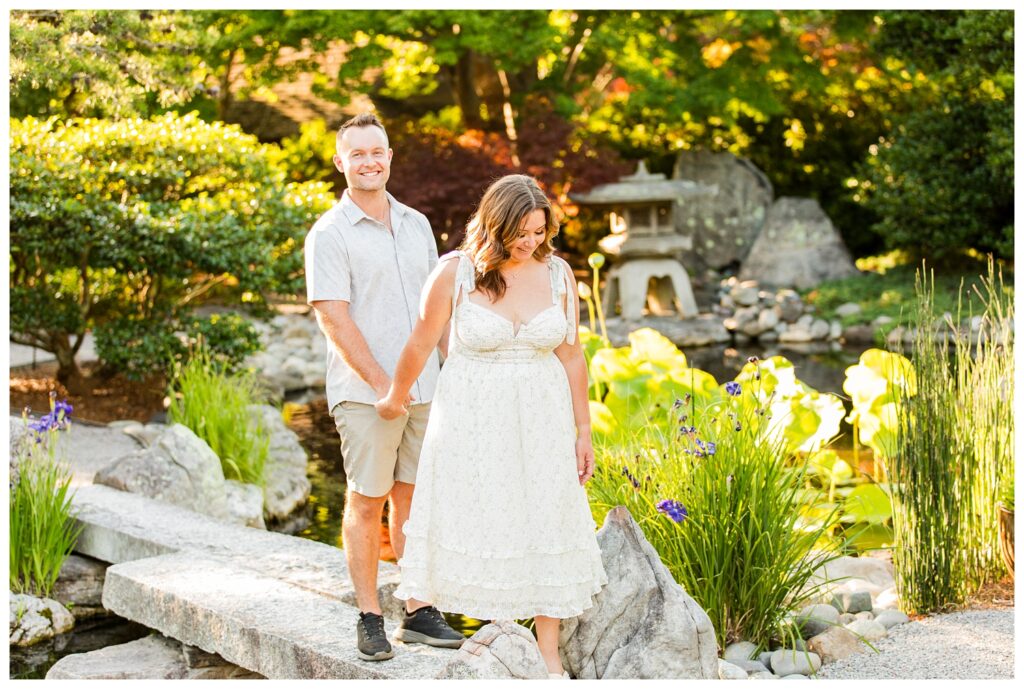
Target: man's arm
<point>345,336</point>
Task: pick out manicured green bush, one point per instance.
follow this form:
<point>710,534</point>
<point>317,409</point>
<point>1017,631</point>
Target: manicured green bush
<point>42,530</point>
<point>129,225</point>
<point>136,347</point>
<point>214,403</point>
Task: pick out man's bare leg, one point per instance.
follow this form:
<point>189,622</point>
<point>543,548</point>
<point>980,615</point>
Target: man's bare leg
<point>360,528</point>
<point>398,512</point>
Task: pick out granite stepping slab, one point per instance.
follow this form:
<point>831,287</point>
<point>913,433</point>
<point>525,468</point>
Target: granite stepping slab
<point>258,622</point>
<point>121,527</point>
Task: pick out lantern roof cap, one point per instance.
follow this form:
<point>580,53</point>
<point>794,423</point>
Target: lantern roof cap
<point>642,187</point>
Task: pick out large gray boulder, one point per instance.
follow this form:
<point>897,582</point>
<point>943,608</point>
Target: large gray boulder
<point>245,503</point>
<point>179,468</point>
<point>797,247</point>
<point>287,486</point>
<point>723,225</point>
<point>499,650</point>
<point>643,625</point>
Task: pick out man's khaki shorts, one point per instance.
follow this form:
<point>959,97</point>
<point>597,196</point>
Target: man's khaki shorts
<point>376,453</point>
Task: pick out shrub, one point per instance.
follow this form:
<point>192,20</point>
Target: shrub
<point>942,178</point>
<point>129,225</point>
<point>42,530</point>
<point>137,347</point>
<point>215,405</point>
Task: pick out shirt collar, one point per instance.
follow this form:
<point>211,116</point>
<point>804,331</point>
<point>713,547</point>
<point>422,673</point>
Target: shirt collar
<point>354,213</point>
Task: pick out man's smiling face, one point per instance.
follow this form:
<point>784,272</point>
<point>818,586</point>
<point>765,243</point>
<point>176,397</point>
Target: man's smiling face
<point>364,158</point>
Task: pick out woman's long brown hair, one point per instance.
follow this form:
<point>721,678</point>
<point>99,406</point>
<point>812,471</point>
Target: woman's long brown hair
<point>495,227</point>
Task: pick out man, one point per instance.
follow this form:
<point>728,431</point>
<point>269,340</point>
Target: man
<point>367,259</point>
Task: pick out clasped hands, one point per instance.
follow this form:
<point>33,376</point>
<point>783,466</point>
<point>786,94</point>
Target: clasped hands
<point>389,408</point>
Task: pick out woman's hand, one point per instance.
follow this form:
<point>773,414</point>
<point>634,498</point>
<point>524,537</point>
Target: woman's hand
<point>584,457</point>
<point>388,408</point>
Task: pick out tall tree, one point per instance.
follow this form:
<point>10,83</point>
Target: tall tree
<point>101,62</point>
<point>942,179</point>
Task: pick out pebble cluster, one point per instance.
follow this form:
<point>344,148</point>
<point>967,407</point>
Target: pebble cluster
<point>294,355</point>
<point>861,610</point>
<point>751,312</point>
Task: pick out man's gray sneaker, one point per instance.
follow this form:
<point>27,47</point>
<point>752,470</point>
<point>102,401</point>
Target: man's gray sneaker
<point>428,626</point>
<point>372,642</point>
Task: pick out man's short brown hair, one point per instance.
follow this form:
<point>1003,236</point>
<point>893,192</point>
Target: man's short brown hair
<point>365,119</point>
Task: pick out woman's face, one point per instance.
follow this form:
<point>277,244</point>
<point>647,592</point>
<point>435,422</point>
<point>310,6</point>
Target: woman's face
<point>532,231</point>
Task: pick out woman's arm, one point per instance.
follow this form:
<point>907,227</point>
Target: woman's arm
<point>575,363</point>
<point>435,312</point>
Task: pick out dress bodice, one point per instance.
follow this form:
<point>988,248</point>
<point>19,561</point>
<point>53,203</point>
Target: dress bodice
<point>482,333</point>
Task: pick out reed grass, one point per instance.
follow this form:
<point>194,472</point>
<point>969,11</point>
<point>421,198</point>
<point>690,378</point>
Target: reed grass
<point>984,365</point>
<point>42,531</point>
<point>215,405</point>
<point>727,519</point>
<point>953,441</point>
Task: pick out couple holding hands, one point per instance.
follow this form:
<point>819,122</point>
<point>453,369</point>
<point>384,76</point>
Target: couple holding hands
<point>496,444</point>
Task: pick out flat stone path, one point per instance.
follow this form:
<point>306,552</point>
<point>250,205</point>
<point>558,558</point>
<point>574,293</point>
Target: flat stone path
<point>275,604</point>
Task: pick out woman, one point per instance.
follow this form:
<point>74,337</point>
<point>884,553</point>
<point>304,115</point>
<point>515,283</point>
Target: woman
<point>499,526</point>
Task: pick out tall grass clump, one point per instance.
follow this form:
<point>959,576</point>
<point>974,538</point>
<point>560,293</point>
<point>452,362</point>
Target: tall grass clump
<point>953,440</point>
<point>43,531</point>
<point>214,403</point>
<point>984,365</point>
<point>725,509</point>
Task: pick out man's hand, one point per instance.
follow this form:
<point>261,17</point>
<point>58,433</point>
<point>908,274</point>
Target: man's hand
<point>584,458</point>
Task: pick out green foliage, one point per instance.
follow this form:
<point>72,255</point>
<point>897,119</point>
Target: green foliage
<point>984,381</point>
<point>886,288</point>
<point>646,378</point>
<point>953,443</point>
<point>310,155</point>
<point>101,62</point>
<point>137,221</point>
<point>745,550</point>
<point>1007,489</point>
<point>227,338</point>
<point>215,405</point>
<point>138,347</point>
<point>42,530</point>
<point>942,179</point>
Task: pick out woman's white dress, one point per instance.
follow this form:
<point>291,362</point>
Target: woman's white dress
<point>499,526</point>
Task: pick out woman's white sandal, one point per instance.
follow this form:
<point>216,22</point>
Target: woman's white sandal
<point>555,675</point>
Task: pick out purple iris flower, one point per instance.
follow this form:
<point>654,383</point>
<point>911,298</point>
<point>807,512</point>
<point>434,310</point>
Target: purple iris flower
<point>57,419</point>
<point>673,509</point>
<point>733,388</point>
<point>706,448</point>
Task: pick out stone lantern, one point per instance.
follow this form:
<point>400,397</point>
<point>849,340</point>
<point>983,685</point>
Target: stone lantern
<point>646,243</point>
